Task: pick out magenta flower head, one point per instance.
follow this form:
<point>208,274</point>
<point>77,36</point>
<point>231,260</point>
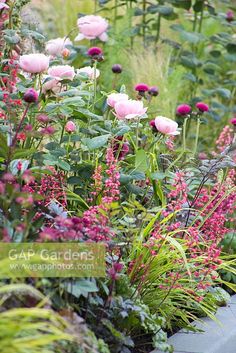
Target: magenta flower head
<point>183,109</point>
<point>153,91</point>
<point>31,96</point>
<point>141,87</point>
<point>116,69</point>
<point>152,124</point>
<point>202,107</point>
<point>233,121</point>
<point>94,51</point>
<point>229,16</point>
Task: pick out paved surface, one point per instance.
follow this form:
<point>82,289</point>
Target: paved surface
<point>218,337</point>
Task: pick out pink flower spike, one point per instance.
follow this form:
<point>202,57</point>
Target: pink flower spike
<point>183,109</point>
<point>203,107</point>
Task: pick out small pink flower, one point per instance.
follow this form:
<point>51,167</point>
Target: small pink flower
<point>203,107</point>
<point>61,72</point>
<point>166,126</point>
<point>141,87</point>
<point>229,16</point>
<point>70,127</point>
<point>91,27</point>
<point>129,109</point>
<point>43,118</point>
<point>56,46</point>
<point>34,63</point>
<point>233,121</point>
<point>94,51</point>
<point>89,71</point>
<point>49,130</point>
<point>183,109</point>
<point>31,96</point>
<point>113,98</point>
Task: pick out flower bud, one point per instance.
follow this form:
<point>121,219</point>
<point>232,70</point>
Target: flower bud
<point>31,96</point>
<point>116,69</point>
<point>70,127</point>
<point>153,91</point>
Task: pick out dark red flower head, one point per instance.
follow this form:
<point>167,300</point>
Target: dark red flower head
<point>153,91</point>
<point>116,69</point>
<point>31,96</point>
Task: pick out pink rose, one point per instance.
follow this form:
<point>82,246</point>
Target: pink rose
<point>91,27</point>
<point>34,63</point>
<point>129,109</point>
<point>166,126</point>
<point>3,5</point>
<point>61,72</point>
<point>113,98</point>
<point>51,85</point>
<point>89,71</point>
<point>56,46</point>
<point>70,127</point>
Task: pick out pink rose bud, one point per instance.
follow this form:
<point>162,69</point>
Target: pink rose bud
<point>34,63</point>
<point>183,109</point>
<point>70,127</point>
<point>31,96</point>
<point>65,53</point>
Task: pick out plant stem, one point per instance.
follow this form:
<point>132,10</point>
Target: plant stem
<point>144,22</point>
<point>158,27</point>
<point>184,133</point>
<point>201,18</point>
<point>137,132</point>
<point>94,84</point>
<point>197,136</point>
